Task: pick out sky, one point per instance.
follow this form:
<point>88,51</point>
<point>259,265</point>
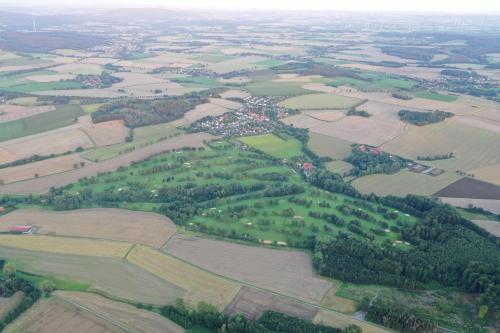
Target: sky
<point>467,6</point>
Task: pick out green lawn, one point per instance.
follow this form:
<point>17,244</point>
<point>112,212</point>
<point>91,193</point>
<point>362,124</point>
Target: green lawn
<point>274,145</point>
<point>204,82</point>
<point>63,115</point>
<point>283,218</point>
<point>436,96</point>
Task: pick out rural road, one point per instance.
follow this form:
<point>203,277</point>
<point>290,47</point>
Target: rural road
<point>43,184</point>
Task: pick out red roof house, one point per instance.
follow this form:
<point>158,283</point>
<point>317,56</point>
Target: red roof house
<point>308,166</point>
<point>24,229</point>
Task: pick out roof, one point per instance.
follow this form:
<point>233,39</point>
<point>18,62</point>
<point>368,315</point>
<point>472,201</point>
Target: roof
<point>308,166</point>
<point>22,228</point>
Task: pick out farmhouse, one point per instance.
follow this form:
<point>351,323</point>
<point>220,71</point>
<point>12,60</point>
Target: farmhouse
<point>22,229</point>
<point>2,209</point>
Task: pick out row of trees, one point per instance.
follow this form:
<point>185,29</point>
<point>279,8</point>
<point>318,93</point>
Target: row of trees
<point>208,316</point>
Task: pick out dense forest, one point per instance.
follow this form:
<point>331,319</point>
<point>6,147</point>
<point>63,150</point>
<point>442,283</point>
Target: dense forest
<point>136,112</point>
<point>367,160</point>
<point>423,118</point>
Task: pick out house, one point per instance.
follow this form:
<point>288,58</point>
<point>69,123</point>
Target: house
<point>2,209</point>
<point>22,229</point>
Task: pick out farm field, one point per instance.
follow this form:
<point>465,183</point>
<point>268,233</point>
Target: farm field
<point>199,284</point>
<point>140,321</point>
<point>58,141</point>
<point>339,167</point>
<point>478,150</point>
<point>76,246</point>
<point>101,223</point>
<point>470,188</point>
<point>97,274</point>
<point>325,145</point>
<point>277,270</point>
<point>39,169</point>
<point>10,303</point>
<point>436,96</point>
<point>274,145</point>
<point>493,227</point>
<point>320,101</point>
<point>404,182</point>
<point>273,88</point>
<point>41,185</point>
<point>253,302</point>
<point>10,112</point>
<point>62,116</point>
<point>488,204</point>
<point>53,315</point>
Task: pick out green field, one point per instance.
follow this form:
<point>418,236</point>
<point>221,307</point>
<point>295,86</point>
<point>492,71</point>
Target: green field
<point>64,115</point>
<point>373,81</point>
<point>42,86</point>
<point>273,88</point>
<point>199,81</point>
<point>270,62</point>
<point>9,80</point>
<point>436,96</point>
<point>320,101</point>
<point>272,218</point>
<point>274,145</point>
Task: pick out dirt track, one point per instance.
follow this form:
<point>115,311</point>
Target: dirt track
<point>43,184</point>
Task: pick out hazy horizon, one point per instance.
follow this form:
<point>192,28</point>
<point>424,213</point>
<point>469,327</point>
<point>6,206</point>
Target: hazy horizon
<point>425,6</point>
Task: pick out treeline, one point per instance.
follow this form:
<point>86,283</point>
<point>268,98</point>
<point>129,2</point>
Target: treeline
<point>457,73</point>
<point>359,113</point>
<point>10,284</point>
<point>136,112</point>
<point>208,316</point>
<point>371,161</point>
<point>404,97</point>
<point>401,320</point>
<point>444,244</point>
<point>423,118</point>
<point>435,157</point>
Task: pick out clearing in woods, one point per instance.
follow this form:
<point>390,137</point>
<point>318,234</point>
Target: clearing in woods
<point>274,145</point>
<point>199,284</point>
<point>63,245</point>
<point>103,223</point>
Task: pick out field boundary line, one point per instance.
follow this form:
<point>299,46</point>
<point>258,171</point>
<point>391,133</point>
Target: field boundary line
<point>107,319</point>
<point>290,298</point>
<point>129,251</point>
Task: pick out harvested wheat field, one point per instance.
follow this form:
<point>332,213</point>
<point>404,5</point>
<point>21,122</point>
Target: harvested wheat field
<point>205,110</point>
<point>302,121</point>
<point>325,145</point>
<point>320,101</point>
<point>6,156</point>
<point>404,182</point>
<point>362,130</point>
<point>9,112</point>
<point>277,270</point>
<point>57,141</point>
<point>99,273</point>
<point>199,284</point>
<point>56,315</point>
<point>325,115</point>
<point>103,223</point>
<point>42,168</point>
<point>225,103</point>
<point>10,303</point>
<point>106,133</point>
<point>140,321</point>
<point>233,93</point>
<point>43,184</point>
<point>253,302</point>
<point>472,148</point>
<point>336,319</point>
<point>489,173</point>
<point>493,227</point>
<point>488,204</point>
<point>77,246</point>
